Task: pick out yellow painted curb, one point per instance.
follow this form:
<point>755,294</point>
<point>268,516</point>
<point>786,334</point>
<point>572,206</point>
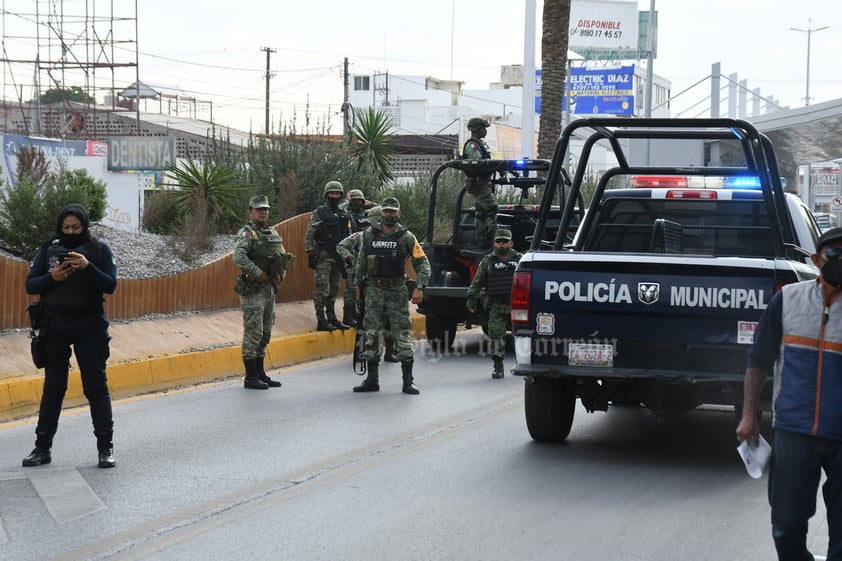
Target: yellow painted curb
<point>21,396</point>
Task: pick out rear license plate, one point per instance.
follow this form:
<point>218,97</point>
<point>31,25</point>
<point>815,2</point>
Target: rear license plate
<point>590,354</point>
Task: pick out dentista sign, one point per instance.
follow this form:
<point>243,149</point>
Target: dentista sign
<point>140,153</point>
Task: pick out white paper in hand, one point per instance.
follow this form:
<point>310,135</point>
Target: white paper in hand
<point>755,457</point>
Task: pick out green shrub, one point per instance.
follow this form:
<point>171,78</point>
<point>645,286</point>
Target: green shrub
<point>29,212</point>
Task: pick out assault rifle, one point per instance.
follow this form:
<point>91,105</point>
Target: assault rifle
<point>358,363</point>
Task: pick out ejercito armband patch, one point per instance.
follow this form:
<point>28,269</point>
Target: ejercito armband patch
<point>417,252</point>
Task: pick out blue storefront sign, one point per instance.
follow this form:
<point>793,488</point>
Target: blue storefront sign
<point>604,91</point>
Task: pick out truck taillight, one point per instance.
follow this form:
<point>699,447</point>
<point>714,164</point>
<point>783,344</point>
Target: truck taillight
<point>691,194</point>
<point>521,287</point>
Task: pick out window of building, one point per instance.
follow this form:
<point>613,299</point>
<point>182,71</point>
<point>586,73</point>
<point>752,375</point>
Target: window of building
<point>362,83</point>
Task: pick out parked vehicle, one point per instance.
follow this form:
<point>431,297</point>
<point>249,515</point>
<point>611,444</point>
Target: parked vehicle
<point>655,301</point>
<point>455,260</point>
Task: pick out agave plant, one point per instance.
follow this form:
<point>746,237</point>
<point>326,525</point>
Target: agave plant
<point>208,185</point>
<point>372,142</point>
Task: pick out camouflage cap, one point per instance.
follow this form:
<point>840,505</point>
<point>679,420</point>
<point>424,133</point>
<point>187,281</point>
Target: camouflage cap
<point>390,203</point>
<point>259,201</point>
<point>373,213</point>
<point>356,194</point>
<point>478,123</point>
<point>503,234</point>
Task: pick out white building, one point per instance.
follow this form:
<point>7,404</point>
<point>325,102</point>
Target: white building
<point>424,105</point>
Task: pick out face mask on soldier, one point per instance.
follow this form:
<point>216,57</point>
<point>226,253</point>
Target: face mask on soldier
<point>389,220</point>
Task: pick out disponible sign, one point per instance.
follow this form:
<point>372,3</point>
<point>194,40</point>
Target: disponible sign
<point>141,153</point>
<point>603,25</point>
<point>601,91</point>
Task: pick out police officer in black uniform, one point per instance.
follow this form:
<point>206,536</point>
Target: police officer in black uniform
<point>71,273</point>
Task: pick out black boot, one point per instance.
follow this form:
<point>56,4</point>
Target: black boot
<point>41,454</point>
<point>372,379</point>
<point>105,448</point>
<point>322,324</point>
<point>389,355</point>
<point>337,324</point>
<point>252,380</point>
<point>408,386</point>
<point>349,316</point>
<point>262,374</point>
<point>498,367</point>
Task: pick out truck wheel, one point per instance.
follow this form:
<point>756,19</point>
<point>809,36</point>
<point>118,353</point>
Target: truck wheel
<point>550,405</point>
<point>440,332</point>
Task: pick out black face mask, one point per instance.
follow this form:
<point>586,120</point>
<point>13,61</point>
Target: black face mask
<point>832,273</point>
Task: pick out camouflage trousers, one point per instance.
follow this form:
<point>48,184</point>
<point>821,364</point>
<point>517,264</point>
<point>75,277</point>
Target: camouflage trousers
<point>499,317</point>
<point>387,314</point>
<point>328,278</point>
<point>349,296</point>
<point>258,318</point>
<point>485,207</point>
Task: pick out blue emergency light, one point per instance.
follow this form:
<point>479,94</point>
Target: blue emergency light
<point>741,182</point>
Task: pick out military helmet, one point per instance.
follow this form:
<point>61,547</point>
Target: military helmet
<point>356,194</point>
<point>477,123</point>
<point>333,187</point>
<point>390,203</point>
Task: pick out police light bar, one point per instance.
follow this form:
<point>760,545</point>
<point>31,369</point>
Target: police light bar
<point>741,182</point>
<point>658,181</point>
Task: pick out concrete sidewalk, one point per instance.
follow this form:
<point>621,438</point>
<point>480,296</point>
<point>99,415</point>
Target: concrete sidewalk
<point>175,351</point>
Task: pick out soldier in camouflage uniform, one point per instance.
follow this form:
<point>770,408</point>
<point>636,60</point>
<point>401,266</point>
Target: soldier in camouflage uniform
<point>381,268</point>
<point>485,206</point>
<point>262,260</point>
<point>360,220</point>
<point>329,224</point>
<point>347,250</point>
<point>356,207</point>
<point>494,279</point>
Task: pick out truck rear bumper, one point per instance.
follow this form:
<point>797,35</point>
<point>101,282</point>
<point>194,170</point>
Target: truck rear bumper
<point>625,374</point>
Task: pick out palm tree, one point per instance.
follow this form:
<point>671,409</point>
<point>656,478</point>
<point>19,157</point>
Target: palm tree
<point>554,40</point>
<point>372,142</point>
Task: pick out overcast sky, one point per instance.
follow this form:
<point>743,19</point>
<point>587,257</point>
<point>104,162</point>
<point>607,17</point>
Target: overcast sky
<point>212,49</point>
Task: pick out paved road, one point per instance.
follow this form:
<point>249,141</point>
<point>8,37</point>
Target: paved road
<point>315,472</point>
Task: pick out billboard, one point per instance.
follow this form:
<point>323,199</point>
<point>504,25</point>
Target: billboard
<point>604,91</point>
<point>608,25</point>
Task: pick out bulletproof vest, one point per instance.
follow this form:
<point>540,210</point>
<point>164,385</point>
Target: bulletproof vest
<point>359,220</point>
<point>500,275</point>
<point>483,148</point>
<point>75,295</point>
<point>269,254</point>
<point>389,257</point>
<point>333,227</point>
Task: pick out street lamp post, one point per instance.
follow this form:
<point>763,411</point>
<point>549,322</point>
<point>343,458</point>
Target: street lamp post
<point>809,31</point>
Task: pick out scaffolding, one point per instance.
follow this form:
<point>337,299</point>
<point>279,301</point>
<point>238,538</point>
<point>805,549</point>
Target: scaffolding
<point>59,60</point>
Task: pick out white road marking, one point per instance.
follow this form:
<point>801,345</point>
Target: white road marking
<point>65,493</point>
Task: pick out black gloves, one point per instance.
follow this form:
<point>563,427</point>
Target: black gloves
<point>311,259</point>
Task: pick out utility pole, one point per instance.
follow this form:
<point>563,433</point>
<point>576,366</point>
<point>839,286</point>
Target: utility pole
<point>346,105</point>
<point>809,31</point>
<point>268,51</point>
